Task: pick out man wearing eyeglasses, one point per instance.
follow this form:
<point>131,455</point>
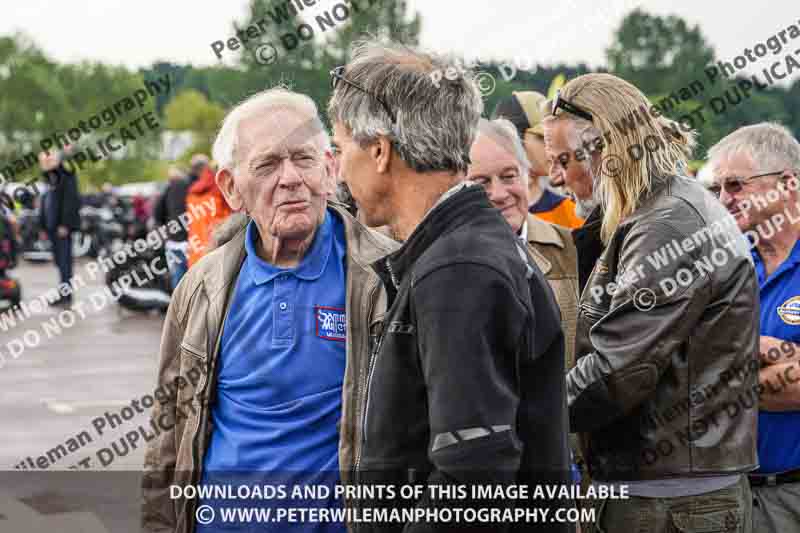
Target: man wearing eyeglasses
<point>464,387</point>
<point>755,176</point>
<point>646,393</point>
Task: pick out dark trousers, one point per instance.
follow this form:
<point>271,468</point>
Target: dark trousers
<point>62,253</point>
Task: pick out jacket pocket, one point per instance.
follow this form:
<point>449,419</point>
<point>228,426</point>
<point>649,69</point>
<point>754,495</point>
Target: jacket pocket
<point>193,365</point>
<point>702,520</point>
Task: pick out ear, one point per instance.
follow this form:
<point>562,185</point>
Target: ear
<point>331,177</point>
<point>381,153</point>
<point>227,185</point>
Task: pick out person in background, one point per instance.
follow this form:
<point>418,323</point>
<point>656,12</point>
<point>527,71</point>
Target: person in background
<point>523,110</point>
<point>645,343</point>
<point>204,220</point>
<point>59,215</point>
<point>501,166</point>
<point>747,166</point>
<point>169,206</point>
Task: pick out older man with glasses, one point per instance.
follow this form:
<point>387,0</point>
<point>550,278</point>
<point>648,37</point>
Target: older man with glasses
<point>465,386</point>
<point>755,173</point>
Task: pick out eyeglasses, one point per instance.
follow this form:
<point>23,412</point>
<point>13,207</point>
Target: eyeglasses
<point>735,185</point>
<point>561,103</point>
<point>337,75</point>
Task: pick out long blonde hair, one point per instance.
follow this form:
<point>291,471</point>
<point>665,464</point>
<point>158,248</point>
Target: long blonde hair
<point>625,119</point>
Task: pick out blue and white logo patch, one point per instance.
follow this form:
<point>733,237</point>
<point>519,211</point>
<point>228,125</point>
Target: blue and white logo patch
<point>331,323</point>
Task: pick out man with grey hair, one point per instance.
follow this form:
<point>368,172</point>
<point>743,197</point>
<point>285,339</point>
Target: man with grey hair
<point>264,347</point>
<point>471,339</point>
<point>756,176</point>
<point>500,165</point>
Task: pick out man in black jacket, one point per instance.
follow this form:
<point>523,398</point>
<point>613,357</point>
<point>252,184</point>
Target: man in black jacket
<point>59,215</point>
<point>465,386</point>
<point>170,205</point>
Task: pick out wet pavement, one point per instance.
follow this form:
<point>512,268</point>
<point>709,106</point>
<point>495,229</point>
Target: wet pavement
<point>68,381</point>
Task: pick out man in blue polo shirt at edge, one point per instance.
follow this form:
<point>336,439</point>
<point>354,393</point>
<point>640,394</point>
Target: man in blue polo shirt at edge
<point>757,176</point>
<point>284,368</point>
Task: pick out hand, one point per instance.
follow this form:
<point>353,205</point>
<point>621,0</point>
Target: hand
<point>772,350</point>
<point>62,231</point>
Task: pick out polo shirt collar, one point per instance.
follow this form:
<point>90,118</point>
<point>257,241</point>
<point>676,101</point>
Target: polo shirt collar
<point>790,262</point>
<point>310,268</point>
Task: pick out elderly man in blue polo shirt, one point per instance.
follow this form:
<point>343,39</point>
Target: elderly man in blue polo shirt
<point>274,327</point>
<point>756,176</point>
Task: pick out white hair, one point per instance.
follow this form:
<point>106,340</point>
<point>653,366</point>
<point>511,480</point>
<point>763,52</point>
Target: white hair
<point>771,146</point>
<point>705,176</point>
<point>503,133</point>
<point>227,141</point>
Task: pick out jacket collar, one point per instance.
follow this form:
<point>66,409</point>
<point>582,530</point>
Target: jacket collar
<point>461,205</point>
<point>540,232</point>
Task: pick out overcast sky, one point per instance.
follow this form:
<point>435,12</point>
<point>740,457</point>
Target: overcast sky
<point>140,32</point>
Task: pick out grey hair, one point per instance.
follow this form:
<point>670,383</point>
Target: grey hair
<point>503,133</point>
<point>227,141</point>
<point>436,122</point>
<point>771,145</point>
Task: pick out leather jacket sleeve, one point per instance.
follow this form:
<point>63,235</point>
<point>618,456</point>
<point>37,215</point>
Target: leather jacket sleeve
<point>647,321</point>
<point>158,511</point>
<point>471,326</point>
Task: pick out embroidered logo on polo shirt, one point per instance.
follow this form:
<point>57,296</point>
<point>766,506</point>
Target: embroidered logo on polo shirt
<point>790,311</point>
<point>331,323</point>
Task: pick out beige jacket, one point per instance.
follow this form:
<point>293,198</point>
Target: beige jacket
<point>190,346</point>
<point>554,253</point>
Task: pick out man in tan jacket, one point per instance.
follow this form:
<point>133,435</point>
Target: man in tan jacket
<point>500,165</point>
<point>266,341</point>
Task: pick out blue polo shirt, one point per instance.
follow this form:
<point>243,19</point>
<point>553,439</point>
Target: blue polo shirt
<point>281,367</point>
<point>779,432</point>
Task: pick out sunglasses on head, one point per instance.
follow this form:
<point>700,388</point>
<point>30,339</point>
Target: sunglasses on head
<point>337,75</point>
<point>560,102</point>
<point>735,185</point>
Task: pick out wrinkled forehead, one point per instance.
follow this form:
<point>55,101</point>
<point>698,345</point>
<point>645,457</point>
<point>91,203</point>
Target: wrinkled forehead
<point>279,130</point>
<point>491,153</point>
<point>733,164</point>
<point>555,135</point>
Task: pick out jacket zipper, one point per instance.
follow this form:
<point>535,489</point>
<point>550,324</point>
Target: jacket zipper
<point>372,362</point>
<point>371,370</point>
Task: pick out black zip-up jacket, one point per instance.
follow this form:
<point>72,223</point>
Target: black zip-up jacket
<point>465,384</point>
<point>63,206</point>
<point>172,204</point>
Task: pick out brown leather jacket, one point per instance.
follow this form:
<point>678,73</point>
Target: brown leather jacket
<point>189,353</point>
<point>554,253</point>
<point>666,382</point>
